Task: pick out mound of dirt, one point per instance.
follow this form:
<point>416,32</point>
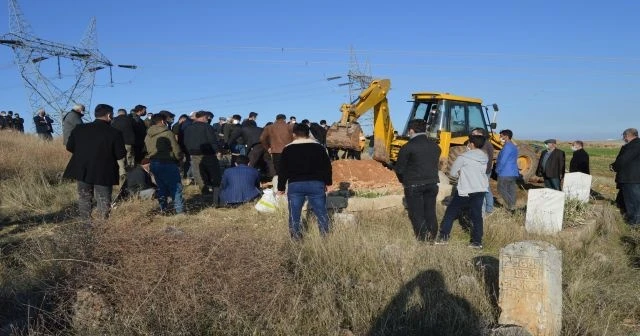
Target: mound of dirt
<point>364,175</point>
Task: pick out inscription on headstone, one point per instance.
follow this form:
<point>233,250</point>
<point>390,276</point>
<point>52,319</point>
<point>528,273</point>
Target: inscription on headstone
<point>531,287</point>
<point>545,211</point>
<point>577,186</point>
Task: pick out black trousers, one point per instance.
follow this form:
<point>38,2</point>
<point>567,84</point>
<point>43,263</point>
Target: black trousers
<point>275,157</point>
<point>421,205</point>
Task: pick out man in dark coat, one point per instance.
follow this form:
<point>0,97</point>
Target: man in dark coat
<point>580,159</point>
<point>70,120</point>
<point>417,170</point>
<point>3,120</point>
<point>140,131</point>
<point>124,124</point>
<point>43,125</point>
<point>96,148</point>
<point>201,143</point>
<point>18,123</point>
<point>551,165</point>
<point>627,168</point>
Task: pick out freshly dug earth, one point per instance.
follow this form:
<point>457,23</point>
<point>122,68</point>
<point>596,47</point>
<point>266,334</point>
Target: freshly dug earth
<point>364,175</point>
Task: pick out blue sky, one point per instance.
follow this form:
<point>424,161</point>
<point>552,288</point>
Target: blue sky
<point>562,69</point>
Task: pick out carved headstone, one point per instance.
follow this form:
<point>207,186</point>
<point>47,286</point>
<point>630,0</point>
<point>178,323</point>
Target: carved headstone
<point>577,186</point>
<point>545,211</point>
<point>531,287</point>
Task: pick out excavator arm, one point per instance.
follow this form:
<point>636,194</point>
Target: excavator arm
<point>345,134</point>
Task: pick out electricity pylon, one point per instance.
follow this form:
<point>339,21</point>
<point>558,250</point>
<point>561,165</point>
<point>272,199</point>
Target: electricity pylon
<point>31,53</point>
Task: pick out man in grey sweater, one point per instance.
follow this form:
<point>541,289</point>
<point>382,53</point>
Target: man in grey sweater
<point>470,169</point>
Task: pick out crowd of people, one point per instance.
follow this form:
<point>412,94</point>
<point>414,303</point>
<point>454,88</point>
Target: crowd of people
<point>417,170</point>
<point>157,155</point>
<point>154,155</point>
<point>10,121</point>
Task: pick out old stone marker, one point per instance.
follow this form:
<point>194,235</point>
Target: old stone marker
<point>577,186</point>
<point>545,211</point>
<point>531,287</point>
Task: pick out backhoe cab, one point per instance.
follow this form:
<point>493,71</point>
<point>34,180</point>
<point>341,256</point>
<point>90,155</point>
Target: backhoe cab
<point>450,119</point>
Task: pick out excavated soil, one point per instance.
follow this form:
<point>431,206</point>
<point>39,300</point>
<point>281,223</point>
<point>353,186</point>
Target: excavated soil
<point>364,175</point>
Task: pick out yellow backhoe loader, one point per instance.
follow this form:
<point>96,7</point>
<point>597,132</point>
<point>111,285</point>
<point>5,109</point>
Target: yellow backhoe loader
<point>450,119</point>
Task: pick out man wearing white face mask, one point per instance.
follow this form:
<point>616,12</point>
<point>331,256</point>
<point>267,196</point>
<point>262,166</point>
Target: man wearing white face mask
<point>580,159</point>
<point>507,170</point>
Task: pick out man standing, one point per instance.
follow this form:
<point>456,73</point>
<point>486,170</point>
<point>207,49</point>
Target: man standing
<point>275,137</point>
<point>239,184</point>
<point>43,125</point>
<point>252,116</point>
<point>470,168</point>
<point>201,143</point>
<point>487,148</point>
<point>305,165</point>
<point>124,124</point>
<point>70,120</point>
<point>627,168</point>
<point>165,155</point>
<point>580,159</point>
<point>140,132</point>
<point>417,170</point>
<point>18,123</point>
<point>507,170</point>
<point>96,147</point>
<point>551,165</point>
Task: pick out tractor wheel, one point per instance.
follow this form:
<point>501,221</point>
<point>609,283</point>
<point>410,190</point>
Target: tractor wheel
<point>527,161</point>
<point>454,152</point>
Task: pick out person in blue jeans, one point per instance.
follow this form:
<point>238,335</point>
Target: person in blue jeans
<point>487,148</point>
<point>165,155</point>
<point>469,168</point>
<point>305,166</point>
<point>507,170</point>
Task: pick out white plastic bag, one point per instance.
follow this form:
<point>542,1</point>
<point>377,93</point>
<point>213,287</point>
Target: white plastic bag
<point>267,202</point>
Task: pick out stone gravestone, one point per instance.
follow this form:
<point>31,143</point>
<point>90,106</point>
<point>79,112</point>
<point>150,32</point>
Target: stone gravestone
<point>545,211</point>
<point>531,287</point>
<point>577,186</point>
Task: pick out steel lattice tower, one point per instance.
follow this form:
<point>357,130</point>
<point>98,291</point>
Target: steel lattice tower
<point>30,52</point>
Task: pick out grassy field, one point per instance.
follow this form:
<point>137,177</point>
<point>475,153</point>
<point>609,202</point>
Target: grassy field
<point>235,272</point>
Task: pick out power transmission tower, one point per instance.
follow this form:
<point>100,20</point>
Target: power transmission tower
<point>31,53</point>
<point>359,79</point>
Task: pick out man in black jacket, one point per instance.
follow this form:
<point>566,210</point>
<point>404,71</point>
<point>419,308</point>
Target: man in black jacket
<point>580,159</point>
<point>140,132</point>
<point>201,143</point>
<point>43,125</point>
<point>305,165</point>
<point>124,124</point>
<point>96,148</point>
<point>627,168</point>
<point>551,165</point>
<point>417,170</point>
<point>18,123</point>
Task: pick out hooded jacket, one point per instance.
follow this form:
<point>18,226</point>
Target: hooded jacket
<point>162,145</point>
<point>470,169</point>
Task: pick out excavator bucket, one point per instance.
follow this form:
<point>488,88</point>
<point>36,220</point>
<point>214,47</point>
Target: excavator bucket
<point>346,136</point>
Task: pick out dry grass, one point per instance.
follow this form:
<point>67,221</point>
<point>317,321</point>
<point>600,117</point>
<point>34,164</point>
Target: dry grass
<point>235,272</point>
